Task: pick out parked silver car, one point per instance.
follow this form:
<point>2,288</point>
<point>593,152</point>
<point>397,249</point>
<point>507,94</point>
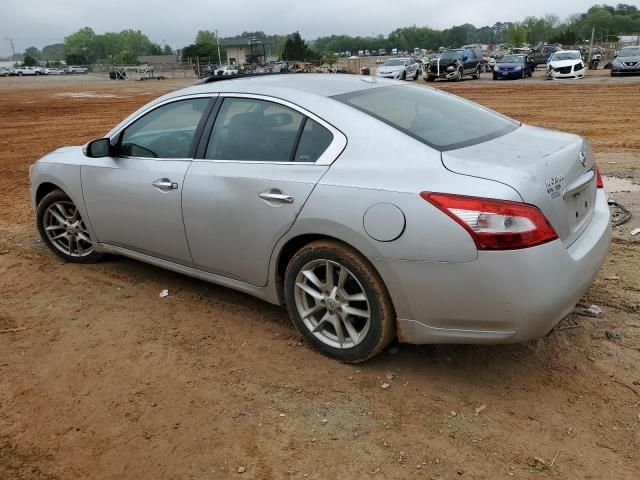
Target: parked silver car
<point>371,208</point>
<point>399,69</point>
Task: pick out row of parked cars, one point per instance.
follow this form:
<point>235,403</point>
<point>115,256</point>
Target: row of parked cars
<point>24,71</point>
<point>453,64</point>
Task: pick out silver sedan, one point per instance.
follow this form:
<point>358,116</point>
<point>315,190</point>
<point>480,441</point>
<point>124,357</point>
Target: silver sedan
<point>371,208</point>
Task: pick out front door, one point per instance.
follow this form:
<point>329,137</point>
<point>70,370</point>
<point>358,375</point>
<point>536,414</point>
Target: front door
<point>262,161</point>
<point>133,198</point>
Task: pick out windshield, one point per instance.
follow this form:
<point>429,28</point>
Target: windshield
<point>394,62</point>
<point>566,56</point>
<point>441,120</point>
<point>512,59</point>
<point>630,52</point>
<point>450,54</point>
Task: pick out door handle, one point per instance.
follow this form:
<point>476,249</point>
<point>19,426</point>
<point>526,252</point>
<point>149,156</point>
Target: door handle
<point>275,196</point>
<point>165,185</point>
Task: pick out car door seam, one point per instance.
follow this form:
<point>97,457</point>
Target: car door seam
<point>184,225</point>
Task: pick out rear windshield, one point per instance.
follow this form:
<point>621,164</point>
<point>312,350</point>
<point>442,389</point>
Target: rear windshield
<point>441,120</point>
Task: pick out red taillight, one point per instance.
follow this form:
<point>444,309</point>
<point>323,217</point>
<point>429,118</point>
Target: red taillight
<point>599,183</point>
<point>495,224</point>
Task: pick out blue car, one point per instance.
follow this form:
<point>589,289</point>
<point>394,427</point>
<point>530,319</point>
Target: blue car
<point>513,66</point>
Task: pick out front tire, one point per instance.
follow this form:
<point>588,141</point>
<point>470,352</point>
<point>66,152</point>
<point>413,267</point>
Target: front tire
<point>459,75</point>
<point>338,302</point>
<point>403,76</point>
<point>63,229</point>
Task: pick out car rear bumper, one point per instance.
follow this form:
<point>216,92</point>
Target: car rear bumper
<point>502,297</point>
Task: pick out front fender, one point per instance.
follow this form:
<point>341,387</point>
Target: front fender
<point>64,176</point>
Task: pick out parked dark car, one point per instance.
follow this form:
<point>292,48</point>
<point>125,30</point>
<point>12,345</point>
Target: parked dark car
<point>454,64</point>
<point>627,62</point>
<point>513,66</point>
<point>541,53</point>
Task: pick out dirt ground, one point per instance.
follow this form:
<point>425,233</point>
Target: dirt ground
<point>102,379</point>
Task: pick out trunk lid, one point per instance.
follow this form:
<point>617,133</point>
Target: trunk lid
<point>551,170</point>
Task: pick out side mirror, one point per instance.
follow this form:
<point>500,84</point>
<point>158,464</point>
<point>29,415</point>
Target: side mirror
<point>97,148</point>
<point>615,56</point>
<point>465,58</point>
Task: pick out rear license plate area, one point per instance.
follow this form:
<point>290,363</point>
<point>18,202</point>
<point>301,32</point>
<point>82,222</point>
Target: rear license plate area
<point>580,206</point>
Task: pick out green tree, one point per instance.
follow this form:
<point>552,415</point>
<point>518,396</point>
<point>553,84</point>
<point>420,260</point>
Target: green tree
<point>33,52</point>
<point>295,48</point>
<point>167,50</point>
<point>329,58</point>
<point>206,37</point>
<point>29,61</point>
<point>80,46</point>
<point>53,52</point>
<point>516,35</point>
<point>125,57</point>
<point>599,19</point>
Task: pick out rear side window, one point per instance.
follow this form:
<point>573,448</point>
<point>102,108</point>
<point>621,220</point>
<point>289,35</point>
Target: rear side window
<point>254,130</point>
<point>440,120</point>
<point>313,142</point>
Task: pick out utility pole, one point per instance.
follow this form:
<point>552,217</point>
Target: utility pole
<point>218,44</point>
<point>593,31</point>
<point>13,50</point>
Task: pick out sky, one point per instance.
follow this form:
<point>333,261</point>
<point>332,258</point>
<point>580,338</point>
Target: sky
<point>176,22</point>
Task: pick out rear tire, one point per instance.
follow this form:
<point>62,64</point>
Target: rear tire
<point>338,302</point>
<point>63,230</point>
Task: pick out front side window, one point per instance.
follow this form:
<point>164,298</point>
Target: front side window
<point>254,130</point>
<point>166,132</point>
<point>442,121</point>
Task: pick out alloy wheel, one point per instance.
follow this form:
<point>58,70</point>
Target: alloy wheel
<point>66,230</point>
<point>332,304</point>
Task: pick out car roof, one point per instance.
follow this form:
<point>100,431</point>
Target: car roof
<point>325,85</point>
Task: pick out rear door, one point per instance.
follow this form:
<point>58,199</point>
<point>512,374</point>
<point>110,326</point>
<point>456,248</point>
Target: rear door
<point>133,198</point>
<point>253,174</point>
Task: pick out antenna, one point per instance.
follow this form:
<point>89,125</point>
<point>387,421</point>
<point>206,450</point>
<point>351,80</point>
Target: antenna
<point>13,50</point>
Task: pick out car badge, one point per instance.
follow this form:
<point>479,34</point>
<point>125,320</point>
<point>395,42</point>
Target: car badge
<point>583,159</point>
